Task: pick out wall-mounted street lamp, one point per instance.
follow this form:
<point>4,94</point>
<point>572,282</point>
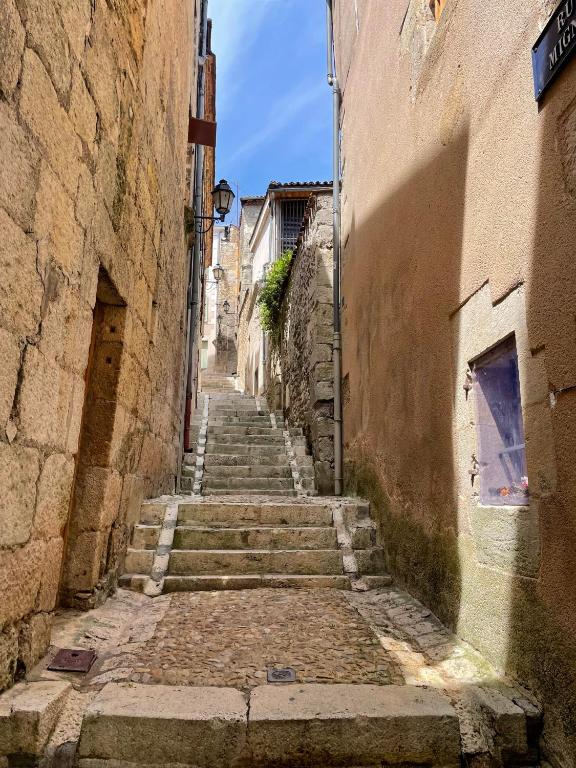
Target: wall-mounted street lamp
<point>226,306</point>
<point>217,273</point>
<point>223,198</point>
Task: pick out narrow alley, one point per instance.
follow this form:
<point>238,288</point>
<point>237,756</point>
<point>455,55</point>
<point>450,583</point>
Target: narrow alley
<point>287,384</point>
<point>243,587</point>
<point>257,587</point>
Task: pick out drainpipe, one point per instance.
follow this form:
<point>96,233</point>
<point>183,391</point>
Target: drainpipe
<point>195,265</point>
<point>337,347</point>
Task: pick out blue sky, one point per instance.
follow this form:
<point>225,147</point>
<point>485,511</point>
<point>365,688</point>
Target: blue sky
<point>273,101</point>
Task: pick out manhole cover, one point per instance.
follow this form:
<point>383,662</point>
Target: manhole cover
<point>286,675</point>
<point>72,660</point>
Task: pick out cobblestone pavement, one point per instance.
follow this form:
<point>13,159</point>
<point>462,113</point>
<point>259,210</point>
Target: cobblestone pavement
<point>418,643</point>
<point>383,636</point>
<point>230,638</point>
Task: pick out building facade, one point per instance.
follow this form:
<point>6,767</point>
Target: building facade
<point>458,301</point>
<point>248,323</point>
<point>219,338</point>
<point>275,230</point>
<point>93,184</point>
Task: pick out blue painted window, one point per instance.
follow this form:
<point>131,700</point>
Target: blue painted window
<point>500,431</point>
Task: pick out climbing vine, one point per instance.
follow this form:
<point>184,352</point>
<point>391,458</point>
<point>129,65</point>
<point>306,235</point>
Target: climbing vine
<point>271,294</point>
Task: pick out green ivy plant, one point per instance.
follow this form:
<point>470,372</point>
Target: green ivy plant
<point>272,293</point>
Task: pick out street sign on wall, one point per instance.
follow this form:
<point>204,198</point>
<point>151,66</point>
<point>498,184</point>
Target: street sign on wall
<point>554,47</point>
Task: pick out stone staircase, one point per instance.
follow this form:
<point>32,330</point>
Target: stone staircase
<point>227,543</point>
<point>243,448</point>
<point>253,519</point>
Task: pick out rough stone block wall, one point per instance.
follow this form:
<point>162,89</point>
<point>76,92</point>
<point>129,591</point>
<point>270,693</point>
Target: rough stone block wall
<point>93,123</point>
<point>209,169</point>
<point>305,358</point>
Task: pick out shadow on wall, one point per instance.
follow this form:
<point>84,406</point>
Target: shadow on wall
<point>542,634</point>
<point>401,276</point>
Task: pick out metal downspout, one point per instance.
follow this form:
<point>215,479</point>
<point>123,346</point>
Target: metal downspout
<point>337,348</point>
<point>194,269</point>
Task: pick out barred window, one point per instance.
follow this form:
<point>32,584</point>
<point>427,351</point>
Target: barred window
<point>292,216</point>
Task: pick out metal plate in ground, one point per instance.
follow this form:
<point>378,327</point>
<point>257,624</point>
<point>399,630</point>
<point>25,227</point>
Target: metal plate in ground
<point>72,660</point>
<point>285,675</point>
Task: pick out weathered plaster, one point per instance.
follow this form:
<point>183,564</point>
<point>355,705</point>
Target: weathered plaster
<point>458,228</point>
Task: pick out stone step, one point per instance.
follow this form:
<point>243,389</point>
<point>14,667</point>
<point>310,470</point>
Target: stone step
<point>232,404</point>
<point>138,582</point>
<point>261,440</point>
<point>29,712</point>
<point>210,482</point>
<point>275,726</point>
<point>187,484</point>
<point>244,460</point>
<point>321,562</point>
<point>256,492</point>
<point>254,421</point>
<point>255,514</point>
<point>245,411</point>
<point>253,470</point>
<point>238,449</point>
<point>192,537</point>
<point>370,561</point>
<point>351,725</point>
<point>236,395</point>
<point>237,581</point>
<point>139,561</point>
<point>145,536</point>
<point>307,471</point>
<point>276,438</point>
<point>240,429</point>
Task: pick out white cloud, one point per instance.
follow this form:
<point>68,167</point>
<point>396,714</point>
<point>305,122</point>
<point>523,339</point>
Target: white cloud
<point>236,26</point>
<point>282,113</point>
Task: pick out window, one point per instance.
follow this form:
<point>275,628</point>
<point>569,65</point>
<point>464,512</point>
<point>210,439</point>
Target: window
<point>437,6</point>
<point>292,216</point>
<point>501,447</point>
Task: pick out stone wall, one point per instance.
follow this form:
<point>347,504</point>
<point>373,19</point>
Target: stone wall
<point>225,341</point>
<point>458,229</point>
<point>209,171</point>
<point>93,123</point>
<point>304,362</point>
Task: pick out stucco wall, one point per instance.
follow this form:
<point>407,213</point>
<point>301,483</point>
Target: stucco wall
<point>458,229</point>
<point>247,321</point>
<point>225,358</point>
<point>93,126</point>
<point>261,247</point>
<point>304,358</point>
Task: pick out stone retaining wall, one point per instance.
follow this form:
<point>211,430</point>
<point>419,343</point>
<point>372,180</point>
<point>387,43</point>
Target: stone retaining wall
<point>304,374</point>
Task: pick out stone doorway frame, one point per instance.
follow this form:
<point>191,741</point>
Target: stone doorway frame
<point>87,573</point>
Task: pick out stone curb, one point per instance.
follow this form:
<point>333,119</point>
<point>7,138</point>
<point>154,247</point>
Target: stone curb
<point>284,725</point>
<point>155,583</point>
<point>201,448</point>
<point>28,714</point>
<point>291,459</point>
